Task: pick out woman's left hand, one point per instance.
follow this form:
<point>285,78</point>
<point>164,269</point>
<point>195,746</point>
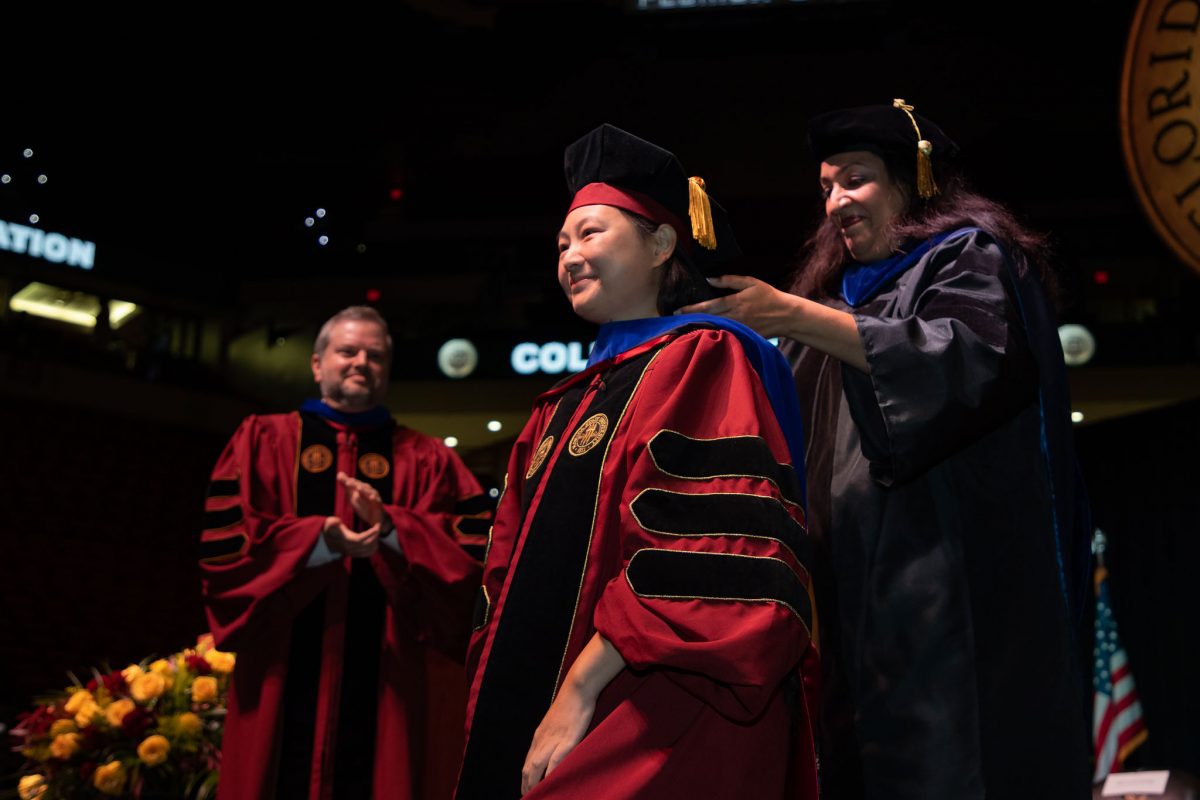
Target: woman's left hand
<point>561,729</point>
<point>570,714</point>
<point>758,305</point>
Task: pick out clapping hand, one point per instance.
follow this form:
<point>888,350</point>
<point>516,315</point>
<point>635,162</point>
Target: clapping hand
<point>364,499</point>
<point>350,543</point>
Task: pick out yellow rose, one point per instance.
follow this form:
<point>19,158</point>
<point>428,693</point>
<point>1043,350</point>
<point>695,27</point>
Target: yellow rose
<point>166,669</point>
<point>31,787</point>
<point>117,711</point>
<point>189,724</point>
<point>153,750</point>
<point>61,726</point>
<point>147,687</point>
<point>221,662</point>
<point>36,752</point>
<point>87,714</point>
<point>110,778</point>
<point>76,701</point>
<point>132,673</point>
<point>204,689</point>
<point>65,745</point>
<point>204,642</point>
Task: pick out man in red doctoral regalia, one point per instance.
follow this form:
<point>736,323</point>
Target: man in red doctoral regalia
<point>340,557</point>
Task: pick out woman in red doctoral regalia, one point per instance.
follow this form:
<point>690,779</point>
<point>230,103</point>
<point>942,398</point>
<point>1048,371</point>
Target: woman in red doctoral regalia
<point>646,626</point>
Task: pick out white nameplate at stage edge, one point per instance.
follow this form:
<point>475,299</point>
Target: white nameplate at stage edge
<point>1148,783</point>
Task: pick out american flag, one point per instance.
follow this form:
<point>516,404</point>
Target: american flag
<point>1117,727</point>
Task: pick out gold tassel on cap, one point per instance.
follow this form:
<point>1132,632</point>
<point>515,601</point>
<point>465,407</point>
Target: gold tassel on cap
<point>926,187</point>
<point>701,214</point>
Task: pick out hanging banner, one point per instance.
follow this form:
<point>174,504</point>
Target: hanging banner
<point>1160,121</point>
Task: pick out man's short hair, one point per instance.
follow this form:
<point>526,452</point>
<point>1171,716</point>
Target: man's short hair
<point>353,313</point>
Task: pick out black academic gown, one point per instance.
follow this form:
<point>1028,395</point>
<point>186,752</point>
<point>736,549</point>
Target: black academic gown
<point>950,537</point>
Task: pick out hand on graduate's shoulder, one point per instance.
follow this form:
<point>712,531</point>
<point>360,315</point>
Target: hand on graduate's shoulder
<point>754,303</point>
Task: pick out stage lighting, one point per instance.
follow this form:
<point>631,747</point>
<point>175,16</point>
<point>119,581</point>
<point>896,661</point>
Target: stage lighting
<point>1078,344</point>
<point>64,305</point>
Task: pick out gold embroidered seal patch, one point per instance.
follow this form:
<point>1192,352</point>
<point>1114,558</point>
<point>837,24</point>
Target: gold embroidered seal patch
<point>316,458</point>
<point>374,466</point>
<point>588,434</point>
<point>539,456</point>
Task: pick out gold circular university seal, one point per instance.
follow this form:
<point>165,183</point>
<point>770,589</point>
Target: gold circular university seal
<point>316,458</point>
<point>539,456</point>
<point>374,466</point>
<point>1160,123</point>
<point>588,434</point>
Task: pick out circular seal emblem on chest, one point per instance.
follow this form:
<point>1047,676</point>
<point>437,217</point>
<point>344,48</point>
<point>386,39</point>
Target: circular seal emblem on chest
<point>316,458</point>
<point>588,434</point>
<point>374,466</point>
<point>539,456</point>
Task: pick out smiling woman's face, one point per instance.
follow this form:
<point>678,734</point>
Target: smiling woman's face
<point>607,267</point>
<point>863,201</point>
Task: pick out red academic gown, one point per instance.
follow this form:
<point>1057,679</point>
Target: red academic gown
<point>651,499</point>
<point>363,642</point>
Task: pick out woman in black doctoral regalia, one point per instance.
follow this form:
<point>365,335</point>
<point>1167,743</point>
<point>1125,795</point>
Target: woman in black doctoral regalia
<point>940,474</point>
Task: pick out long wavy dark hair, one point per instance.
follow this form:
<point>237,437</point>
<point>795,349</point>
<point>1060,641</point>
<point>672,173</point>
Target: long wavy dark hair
<point>818,275</point>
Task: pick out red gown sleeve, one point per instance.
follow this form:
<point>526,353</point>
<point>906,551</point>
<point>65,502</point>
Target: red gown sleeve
<point>433,579</point>
<point>713,588</point>
<point>253,550</point>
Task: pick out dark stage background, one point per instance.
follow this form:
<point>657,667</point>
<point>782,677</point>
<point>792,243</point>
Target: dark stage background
<point>433,137</point>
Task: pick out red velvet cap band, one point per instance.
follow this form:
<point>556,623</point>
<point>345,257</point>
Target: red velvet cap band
<point>602,194</point>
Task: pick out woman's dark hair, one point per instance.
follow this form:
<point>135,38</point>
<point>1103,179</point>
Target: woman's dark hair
<point>819,272</point>
<point>682,284</point>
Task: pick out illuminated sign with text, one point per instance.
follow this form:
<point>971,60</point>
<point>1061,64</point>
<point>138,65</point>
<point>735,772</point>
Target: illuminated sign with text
<point>53,247</point>
<point>552,358</point>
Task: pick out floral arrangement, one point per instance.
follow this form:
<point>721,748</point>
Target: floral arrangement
<point>151,730</point>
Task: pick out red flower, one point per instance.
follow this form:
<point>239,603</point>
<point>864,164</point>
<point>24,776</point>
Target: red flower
<point>115,683</point>
<point>36,722</point>
<point>198,665</point>
<point>91,685</point>
<point>137,722</point>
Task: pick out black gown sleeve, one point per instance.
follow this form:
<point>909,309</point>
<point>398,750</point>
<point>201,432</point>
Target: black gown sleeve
<point>948,356</point>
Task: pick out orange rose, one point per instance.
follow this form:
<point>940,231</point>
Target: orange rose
<point>87,713</point>
<point>117,711</point>
<point>110,778</point>
<point>221,662</point>
<point>147,687</point>
<point>189,724</point>
<point>131,673</point>
<point>31,787</point>
<point>204,689</point>
<point>62,726</point>
<point>76,701</point>
<point>153,750</point>
<point>65,745</point>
